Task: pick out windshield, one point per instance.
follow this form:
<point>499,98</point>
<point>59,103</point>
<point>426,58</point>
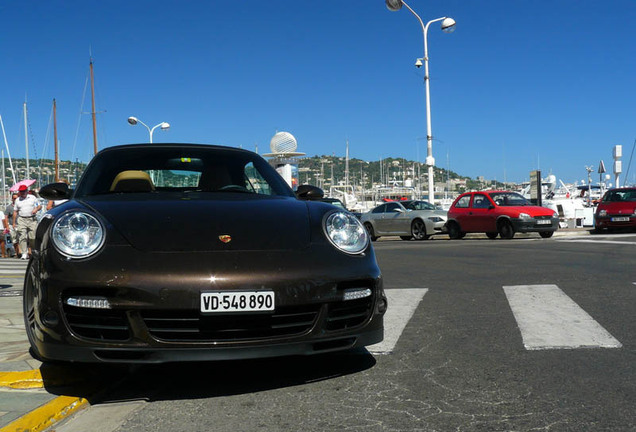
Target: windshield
<point>508,199</point>
<point>179,168</point>
<point>419,205</point>
<point>628,195</point>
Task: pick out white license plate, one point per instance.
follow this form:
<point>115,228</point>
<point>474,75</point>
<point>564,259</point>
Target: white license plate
<point>620,219</point>
<point>544,222</point>
<point>243,301</point>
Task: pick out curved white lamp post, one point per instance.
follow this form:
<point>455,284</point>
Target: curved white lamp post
<point>448,26</point>
<point>163,125</point>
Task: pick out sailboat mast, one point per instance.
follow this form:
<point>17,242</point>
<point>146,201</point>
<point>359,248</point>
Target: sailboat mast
<point>6,144</point>
<point>26,142</point>
<point>57,159</point>
<point>347,166</point>
<point>4,186</point>
<point>93,108</point>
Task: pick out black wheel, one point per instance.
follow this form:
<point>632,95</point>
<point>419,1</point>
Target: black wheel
<point>506,231</point>
<point>418,230</point>
<point>29,300</point>
<point>492,235</point>
<point>369,228</point>
<point>546,234</point>
<point>406,237</point>
<point>454,232</point>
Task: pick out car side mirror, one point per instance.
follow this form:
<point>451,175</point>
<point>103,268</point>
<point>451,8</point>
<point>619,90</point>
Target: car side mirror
<point>56,191</point>
<point>491,207</point>
<point>309,192</point>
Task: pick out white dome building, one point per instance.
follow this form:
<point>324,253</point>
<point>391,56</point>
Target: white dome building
<point>284,157</point>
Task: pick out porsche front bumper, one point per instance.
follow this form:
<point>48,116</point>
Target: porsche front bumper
<point>154,312</point>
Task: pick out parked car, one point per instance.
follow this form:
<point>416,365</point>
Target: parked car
<point>410,219</point>
<point>500,213</point>
<point>175,252</point>
<point>617,209</point>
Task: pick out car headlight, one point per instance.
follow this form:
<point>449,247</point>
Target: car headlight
<point>77,234</point>
<point>436,219</point>
<point>555,214</point>
<point>602,213</point>
<point>525,216</point>
<point>346,232</point>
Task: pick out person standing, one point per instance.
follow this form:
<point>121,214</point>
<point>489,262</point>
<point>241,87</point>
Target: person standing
<point>14,235</point>
<point>4,227</point>
<point>25,209</point>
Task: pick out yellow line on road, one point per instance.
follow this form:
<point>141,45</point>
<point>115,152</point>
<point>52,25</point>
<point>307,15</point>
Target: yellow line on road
<point>48,414</point>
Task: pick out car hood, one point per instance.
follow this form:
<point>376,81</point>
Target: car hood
<point>622,207</point>
<point>194,225</point>
<point>531,210</point>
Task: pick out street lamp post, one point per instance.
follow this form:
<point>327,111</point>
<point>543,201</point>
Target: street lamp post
<point>134,120</point>
<point>448,26</point>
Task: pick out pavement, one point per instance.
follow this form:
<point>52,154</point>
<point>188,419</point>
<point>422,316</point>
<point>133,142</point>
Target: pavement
<point>35,396</point>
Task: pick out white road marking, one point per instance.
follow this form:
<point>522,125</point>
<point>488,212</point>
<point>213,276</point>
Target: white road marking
<point>402,305</point>
<point>598,241</point>
<point>549,319</point>
<point>14,267</point>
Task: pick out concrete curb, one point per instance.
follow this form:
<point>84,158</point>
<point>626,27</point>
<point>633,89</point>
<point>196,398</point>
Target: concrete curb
<point>47,415</point>
<point>22,380</point>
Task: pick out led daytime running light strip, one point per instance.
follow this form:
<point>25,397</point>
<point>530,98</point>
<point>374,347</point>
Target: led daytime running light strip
<point>356,293</point>
<point>89,302</point>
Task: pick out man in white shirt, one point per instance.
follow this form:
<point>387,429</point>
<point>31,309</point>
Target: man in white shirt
<point>25,209</point>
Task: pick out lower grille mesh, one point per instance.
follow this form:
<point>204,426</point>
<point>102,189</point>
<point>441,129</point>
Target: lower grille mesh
<point>101,324</point>
<point>348,314</point>
<point>192,326</point>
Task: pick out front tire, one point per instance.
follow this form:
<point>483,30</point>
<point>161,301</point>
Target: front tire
<point>369,229</point>
<point>506,230</point>
<point>418,230</point>
<point>546,234</point>
<point>454,232</point>
<point>492,235</point>
<point>29,300</point>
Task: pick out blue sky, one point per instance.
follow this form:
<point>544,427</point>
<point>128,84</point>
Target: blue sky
<point>519,85</point>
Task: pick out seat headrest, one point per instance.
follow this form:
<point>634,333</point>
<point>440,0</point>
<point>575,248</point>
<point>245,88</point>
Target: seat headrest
<point>132,181</point>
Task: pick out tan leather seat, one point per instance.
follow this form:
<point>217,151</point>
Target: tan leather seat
<point>132,181</point>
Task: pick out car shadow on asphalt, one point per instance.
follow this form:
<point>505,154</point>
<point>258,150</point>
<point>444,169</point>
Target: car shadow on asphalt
<point>191,380</point>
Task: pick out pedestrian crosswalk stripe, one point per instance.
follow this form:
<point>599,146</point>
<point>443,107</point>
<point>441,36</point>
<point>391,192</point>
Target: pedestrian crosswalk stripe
<point>599,241</point>
<point>549,319</point>
<point>402,305</point>
<point>13,267</point>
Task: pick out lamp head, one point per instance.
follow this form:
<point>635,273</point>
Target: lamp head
<point>132,120</point>
<point>448,25</point>
<point>418,63</point>
<point>393,5</point>
<point>165,126</point>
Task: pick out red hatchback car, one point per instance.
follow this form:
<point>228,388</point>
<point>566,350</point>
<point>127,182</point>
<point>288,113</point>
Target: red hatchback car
<point>499,213</point>
<point>617,209</point>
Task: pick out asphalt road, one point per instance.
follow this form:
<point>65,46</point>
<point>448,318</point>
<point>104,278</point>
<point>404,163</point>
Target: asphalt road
<point>462,361</point>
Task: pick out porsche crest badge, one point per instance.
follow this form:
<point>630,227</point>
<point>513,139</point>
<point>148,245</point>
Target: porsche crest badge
<point>225,238</point>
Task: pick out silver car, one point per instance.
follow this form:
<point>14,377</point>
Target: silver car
<point>408,219</point>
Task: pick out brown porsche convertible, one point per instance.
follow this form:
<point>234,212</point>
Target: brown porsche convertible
<point>182,252</point>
